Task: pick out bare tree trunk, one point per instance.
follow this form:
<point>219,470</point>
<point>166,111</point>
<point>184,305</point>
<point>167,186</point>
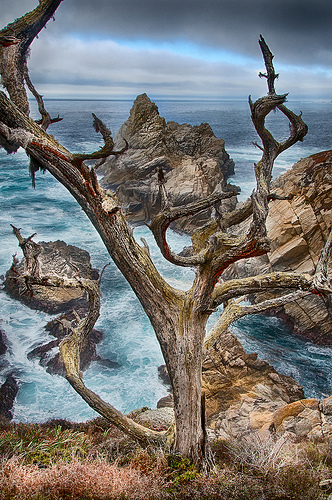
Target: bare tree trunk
<point>178,318</point>
<point>183,357</point>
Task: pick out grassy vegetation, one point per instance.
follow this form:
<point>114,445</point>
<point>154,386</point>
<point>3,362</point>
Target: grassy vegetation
<point>94,461</point>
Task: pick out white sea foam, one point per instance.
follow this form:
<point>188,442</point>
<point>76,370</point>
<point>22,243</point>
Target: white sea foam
<point>128,336</point>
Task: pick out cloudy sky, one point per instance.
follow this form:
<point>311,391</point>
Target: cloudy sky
<point>180,48</point>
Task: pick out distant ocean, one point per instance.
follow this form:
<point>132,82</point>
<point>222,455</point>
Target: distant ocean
<point>128,337</point>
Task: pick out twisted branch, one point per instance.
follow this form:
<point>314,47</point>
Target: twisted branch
<point>106,150</point>
<point>72,346</point>
<point>162,221</point>
<point>46,120</point>
<point>234,311</point>
<point>271,76</point>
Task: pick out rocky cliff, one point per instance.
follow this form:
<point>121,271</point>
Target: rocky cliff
<point>244,395</point>
<point>229,373</point>
<point>298,229</point>
<point>193,160</point>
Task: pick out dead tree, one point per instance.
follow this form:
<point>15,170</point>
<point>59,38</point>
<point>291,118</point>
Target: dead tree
<point>177,317</point>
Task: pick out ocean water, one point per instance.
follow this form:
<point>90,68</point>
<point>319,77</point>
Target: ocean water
<point>128,337</point>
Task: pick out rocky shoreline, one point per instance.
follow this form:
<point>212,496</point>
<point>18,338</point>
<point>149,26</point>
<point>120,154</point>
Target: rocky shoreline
<point>243,393</point>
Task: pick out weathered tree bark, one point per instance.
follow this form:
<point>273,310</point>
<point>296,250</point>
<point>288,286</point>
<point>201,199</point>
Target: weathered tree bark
<point>178,318</point>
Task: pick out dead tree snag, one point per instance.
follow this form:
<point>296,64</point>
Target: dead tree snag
<point>178,318</point>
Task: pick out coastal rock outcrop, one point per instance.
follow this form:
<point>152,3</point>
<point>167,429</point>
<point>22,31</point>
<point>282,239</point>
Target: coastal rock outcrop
<point>230,376</point>
<point>3,345</point>
<point>8,392</point>
<point>242,391</point>
<point>305,418</point>
<point>298,228</point>
<point>58,258</point>
<point>193,160</point>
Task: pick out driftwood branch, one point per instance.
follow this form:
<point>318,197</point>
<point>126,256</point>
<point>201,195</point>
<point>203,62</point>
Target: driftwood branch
<point>31,252</point>
<point>321,278</point>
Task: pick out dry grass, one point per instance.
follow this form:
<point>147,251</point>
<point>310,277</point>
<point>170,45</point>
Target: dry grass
<point>93,461</point>
<point>76,480</point>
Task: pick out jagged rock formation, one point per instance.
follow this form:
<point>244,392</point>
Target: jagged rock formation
<point>305,418</point>
<point>3,345</point>
<point>245,394</point>
<point>159,419</point>
<point>55,258</point>
<point>8,392</point>
<point>229,373</point>
<point>193,160</point>
<point>298,229</point>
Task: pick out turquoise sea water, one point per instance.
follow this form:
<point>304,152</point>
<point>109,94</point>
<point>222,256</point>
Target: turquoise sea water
<point>128,337</point>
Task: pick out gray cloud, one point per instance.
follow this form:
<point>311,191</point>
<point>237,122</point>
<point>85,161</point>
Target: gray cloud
<point>88,46</point>
<point>299,30</point>
<point>115,68</point>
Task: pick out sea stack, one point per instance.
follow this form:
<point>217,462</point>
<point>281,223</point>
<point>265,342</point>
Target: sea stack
<point>193,160</point>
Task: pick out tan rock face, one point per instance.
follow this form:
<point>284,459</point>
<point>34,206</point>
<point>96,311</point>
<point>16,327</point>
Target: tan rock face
<point>245,394</point>
<point>298,229</point>
<point>242,392</point>
<point>193,160</point>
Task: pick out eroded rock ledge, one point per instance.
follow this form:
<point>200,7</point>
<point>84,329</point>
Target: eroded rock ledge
<point>193,160</point>
<point>66,261</point>
<point>245,394</point>
<point>298,229</point>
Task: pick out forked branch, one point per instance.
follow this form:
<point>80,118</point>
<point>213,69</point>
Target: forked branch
<point>319,283</point>
<point>235,310</point>
<point>168,214</point>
